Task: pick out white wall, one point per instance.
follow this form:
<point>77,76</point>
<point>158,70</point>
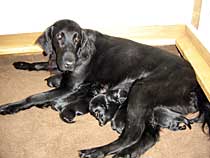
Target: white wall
<point>19,16</point>
<point>204,25</point>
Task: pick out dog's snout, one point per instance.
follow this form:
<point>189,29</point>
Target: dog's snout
<point>69,64</point>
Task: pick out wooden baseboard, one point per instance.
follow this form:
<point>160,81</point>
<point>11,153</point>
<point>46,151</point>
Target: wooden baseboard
<point>193,50</point>
<point>185,39</point>
<point>19,43</point>
<point>154,35</point>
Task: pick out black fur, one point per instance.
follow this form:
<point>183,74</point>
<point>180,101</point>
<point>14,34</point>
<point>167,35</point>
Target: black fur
<point>109,107</point>
<point>164,80</point>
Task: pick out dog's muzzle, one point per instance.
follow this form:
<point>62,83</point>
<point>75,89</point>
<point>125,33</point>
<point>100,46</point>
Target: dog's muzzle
<point>69,65</point>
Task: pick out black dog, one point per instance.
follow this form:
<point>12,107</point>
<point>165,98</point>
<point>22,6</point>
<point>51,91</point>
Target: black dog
<point>66,93</point>
<point>87,56</point>
<point>108,107</point>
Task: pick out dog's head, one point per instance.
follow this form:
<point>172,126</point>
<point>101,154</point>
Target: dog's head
<point>102,109</point>
<point>104,106</point>
<point>68,42</point>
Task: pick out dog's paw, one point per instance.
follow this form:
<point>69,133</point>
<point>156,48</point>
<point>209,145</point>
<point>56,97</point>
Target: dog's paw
<point>122,156</point>
<point>7,109</point>
<point>53,82</point>
<point>180,123</point>
<point>187,122</point>
<point>67,116</point>
<point>22,65</point>
<point>91,153</point>
<point>117,125</point>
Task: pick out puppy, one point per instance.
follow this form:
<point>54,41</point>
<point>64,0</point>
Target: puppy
<point>112,107</point>
<point>79,101</point>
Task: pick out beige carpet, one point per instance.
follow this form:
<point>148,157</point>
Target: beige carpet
<point>37,133</point>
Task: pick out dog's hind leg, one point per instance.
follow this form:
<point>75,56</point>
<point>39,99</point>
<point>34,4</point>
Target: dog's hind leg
<point>37,66</point>
<point>166,118</point>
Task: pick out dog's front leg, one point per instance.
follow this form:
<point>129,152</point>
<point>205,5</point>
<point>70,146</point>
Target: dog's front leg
<point>136,115</point>
<point>131,134</point>
<point>40,100</point>
<point>149,138</point>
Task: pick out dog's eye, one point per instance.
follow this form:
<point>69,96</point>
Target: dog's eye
<point>104,105</point>
<point>60,35</point>
<point>85,56</point>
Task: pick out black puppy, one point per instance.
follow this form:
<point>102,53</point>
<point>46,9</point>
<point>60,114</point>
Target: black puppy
<point>88,56</point>
<point>106,107</point>
<point>78,101</point>
<point>112,107</point>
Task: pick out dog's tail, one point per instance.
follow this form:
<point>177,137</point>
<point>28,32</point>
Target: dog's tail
<point>204,109</point>
<point>206,115</point>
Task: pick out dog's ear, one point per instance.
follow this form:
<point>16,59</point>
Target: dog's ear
<point>87,47</point>
<point>45,41</point>
<point>119,96</point>
<point>122,96</point>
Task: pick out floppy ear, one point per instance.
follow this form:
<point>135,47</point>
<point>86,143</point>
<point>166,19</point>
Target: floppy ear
<point>87,47</point>
<point>45,41</point>
<point>120,95</point>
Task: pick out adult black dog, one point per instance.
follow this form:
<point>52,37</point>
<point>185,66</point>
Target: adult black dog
<point>89,56</point>
<point>104,106</point>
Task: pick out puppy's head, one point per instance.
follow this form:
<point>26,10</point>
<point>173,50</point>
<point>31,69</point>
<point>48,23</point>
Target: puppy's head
<point>102,108</point>
<point>69,42</point>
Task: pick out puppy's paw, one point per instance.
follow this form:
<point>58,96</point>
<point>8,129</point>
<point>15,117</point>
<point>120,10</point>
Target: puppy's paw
<point>117,125</point>
<point>91,153</point>
<point>67,116</point>
<point>22,65</point>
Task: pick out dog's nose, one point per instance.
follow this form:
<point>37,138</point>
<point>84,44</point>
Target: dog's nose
<point>69,64</point>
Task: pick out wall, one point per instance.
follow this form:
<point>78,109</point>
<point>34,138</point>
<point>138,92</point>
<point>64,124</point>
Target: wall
<point>34,16</point>
<point>204,25</point>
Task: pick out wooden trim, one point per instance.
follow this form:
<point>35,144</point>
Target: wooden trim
<point>202,69</point>
<point>196,13</point>
<point>194,37</point>
<point>192,49</point>
<point>186,41</point>
<point>154,35</point>
<point>19,43</point>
